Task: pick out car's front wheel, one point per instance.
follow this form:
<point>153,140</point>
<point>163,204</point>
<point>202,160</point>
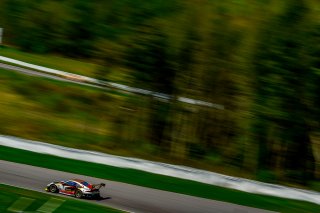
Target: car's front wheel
<point>53,188</point>
<point>78,194</point>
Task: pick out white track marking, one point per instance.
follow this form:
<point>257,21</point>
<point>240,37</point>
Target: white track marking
<point>21,204</point>
<point>51,205</point>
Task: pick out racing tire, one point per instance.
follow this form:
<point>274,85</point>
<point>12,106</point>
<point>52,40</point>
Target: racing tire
<point>53,188</point>
<point>78,194</point>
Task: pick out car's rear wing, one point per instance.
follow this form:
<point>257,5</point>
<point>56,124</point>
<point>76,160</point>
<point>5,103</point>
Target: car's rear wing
<point>98,186</point>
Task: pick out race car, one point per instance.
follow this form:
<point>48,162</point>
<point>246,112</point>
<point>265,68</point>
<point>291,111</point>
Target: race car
<point>75,187</point>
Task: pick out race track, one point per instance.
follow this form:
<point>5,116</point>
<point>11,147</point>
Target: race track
<point>118,195</point>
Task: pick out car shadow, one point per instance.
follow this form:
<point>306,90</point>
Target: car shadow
<point>100,198</point>
<point>103,198</point>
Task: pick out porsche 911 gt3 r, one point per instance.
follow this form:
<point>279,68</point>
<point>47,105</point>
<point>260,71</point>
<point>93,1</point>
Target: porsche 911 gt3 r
<point>75,187</point>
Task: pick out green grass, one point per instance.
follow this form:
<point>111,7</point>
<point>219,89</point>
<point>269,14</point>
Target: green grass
<point>52,61</point>
<point>61,113</point>
<point>9,195</point>
<point>161,182</point>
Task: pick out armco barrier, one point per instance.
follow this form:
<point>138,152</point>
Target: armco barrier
<point>75,77</point>
<point>163,169</point>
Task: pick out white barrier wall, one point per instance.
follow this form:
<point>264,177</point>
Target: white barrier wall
<point>163,169</point>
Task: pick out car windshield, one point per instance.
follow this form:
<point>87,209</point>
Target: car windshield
<point>71,183</point>
<point>85,183</point>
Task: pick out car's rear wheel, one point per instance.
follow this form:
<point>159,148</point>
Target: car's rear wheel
<point>78,194</point>
<point>53,188</point>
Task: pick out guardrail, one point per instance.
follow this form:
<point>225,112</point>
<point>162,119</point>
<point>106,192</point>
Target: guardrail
<point>81,78</point>
<point>163,169</point>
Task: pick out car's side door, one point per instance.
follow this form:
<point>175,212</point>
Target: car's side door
<point>70,187</point>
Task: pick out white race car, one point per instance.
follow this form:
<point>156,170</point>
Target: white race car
<point>75,187</point>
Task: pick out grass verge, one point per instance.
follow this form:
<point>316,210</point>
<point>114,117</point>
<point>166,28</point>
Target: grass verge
<point>157,181</point>
<point>17,199</point>
<point>53,61</point>
<point>81,66</point>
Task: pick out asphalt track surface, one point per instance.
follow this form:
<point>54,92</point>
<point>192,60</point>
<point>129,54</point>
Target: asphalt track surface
<point>118,195</point>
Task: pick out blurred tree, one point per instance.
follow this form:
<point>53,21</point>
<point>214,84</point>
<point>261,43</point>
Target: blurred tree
<point>110,55</point>
<point>13,12</point>
<point>149,57</point>
<point>312,96</point>
<point>81,29</point>
<point>280,65</point>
